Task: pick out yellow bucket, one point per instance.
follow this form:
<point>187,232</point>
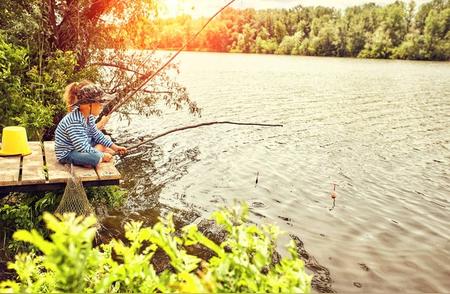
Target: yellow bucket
<point>15,142</point>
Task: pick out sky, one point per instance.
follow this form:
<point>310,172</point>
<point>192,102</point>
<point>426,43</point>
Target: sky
<point>209,7</point>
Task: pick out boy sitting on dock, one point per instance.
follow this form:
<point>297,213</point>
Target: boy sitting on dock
<point>77,138</point>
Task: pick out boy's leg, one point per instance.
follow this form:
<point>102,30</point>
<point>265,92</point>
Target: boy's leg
<point>110,151</point>
<point>91,159</point>
<point>102,148</point>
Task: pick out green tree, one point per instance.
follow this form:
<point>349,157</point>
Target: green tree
<point>410,15</point>
<point>411,48</point>
<point>280,31</point>
<point>287,45</point>
<point>436,34</point>
<point>324,40</point>
<point>424,10</point>
<point>395,22</point>
<point>245,40</point>
<point>361,21</point>
<point>380,46</point>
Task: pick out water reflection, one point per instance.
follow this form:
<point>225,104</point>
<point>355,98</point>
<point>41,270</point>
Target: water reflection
<point>144,181</point>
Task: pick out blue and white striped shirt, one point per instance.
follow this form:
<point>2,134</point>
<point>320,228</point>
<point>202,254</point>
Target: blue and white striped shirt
<point>74,132</point>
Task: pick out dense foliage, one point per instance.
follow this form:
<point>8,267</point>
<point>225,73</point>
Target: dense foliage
<point>398,30</point>
<point>23,211</point>
<point>31,86</point>
<point>69,263</point>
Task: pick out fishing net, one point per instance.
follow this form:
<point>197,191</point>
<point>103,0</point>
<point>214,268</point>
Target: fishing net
<point>74,198</point>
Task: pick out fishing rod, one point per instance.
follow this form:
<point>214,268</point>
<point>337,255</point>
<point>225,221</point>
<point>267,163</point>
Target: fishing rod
<point>200,125</point>
<point>147,77</point>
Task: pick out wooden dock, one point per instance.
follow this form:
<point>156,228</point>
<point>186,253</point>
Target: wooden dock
<point>40,171</point>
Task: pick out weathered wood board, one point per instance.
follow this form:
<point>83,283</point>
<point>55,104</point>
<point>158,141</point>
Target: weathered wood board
<point>33,165</point>
<point>107,171</point>
<point>57,172</point>
<point>9,170</point>
<point>41,168</point>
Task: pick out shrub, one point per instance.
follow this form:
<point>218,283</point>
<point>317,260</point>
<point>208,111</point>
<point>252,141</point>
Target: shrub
<point>69,263</point>
<point>111,196</point>
<point>23,211</point>
<point>31,88</point>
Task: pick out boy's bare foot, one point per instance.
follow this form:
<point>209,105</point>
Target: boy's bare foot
<point>107,157</point>
<point>110,151</point>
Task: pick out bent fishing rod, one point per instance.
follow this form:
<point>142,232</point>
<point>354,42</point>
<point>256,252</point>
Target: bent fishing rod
<point>148,76</point>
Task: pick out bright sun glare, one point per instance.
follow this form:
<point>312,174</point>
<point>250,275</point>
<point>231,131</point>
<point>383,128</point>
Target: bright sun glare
<point>172,8</point>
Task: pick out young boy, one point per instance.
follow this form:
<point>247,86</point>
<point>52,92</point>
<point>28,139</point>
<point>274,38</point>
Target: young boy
<point>77,138</point>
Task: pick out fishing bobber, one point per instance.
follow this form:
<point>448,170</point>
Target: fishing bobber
<point>333,193</point>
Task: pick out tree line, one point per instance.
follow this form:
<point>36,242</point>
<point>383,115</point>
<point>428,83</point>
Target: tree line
<point>399,30</point>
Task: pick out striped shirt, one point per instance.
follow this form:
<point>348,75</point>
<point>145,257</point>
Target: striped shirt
<point>74,132</point>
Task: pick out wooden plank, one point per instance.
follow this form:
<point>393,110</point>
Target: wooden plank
<point>33,166</point>
<point>85,173</point>
<point>9,170</point>
<point>107,171</point>
<point>33,177</point>
<point>57,172</point>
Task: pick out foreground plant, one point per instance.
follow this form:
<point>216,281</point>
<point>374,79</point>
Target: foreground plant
<point>69,263</point>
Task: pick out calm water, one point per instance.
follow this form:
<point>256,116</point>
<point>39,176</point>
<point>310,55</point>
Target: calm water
<point>378,129</point>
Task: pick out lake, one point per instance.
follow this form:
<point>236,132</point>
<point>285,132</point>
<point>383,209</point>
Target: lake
<point>378,129</point>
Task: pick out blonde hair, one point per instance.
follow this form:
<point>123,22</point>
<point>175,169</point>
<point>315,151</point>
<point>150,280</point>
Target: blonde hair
<point>71,92</point>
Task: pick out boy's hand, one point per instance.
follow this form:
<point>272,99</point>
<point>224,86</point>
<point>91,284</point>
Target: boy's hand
<point>119,149</point>
<point>106,157</point>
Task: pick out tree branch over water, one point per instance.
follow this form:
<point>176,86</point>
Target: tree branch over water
<point>122,67</point>
<point>201,125</point>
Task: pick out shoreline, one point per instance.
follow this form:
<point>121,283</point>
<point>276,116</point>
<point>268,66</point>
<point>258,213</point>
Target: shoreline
<point>275,54</point>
